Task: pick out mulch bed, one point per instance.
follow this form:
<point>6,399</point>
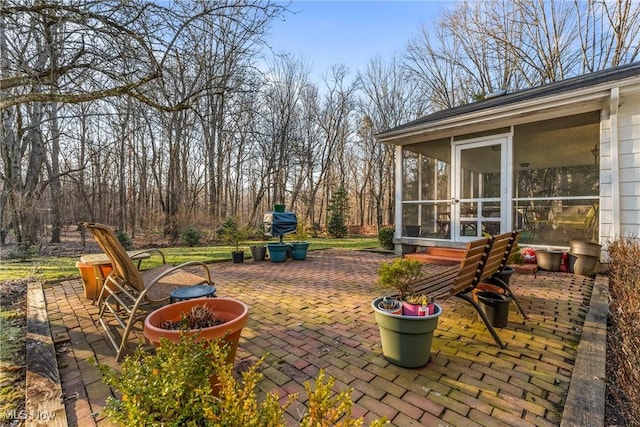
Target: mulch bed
<point>13,298</point>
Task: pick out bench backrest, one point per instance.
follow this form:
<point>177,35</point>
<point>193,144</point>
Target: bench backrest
<point>496,260</point>
<point>471,266</point>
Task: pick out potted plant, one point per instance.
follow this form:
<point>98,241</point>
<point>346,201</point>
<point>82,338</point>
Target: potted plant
<point>231,234</point>
<point>390,305</point>
<point>400,275</point>
<point>208,318</point>
<point>418,305</point>
<point>406,339</point>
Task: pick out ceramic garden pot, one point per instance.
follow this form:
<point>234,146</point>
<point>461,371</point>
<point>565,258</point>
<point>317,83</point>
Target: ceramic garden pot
<point>549,260</point>
<point>299,250</point>
<point>394,306</point>
<point>579,247</point>
<point>277,251</point>
<point>234,313</point>
<point>406,340</point>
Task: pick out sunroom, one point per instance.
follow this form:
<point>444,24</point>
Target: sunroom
<point>557,162</point>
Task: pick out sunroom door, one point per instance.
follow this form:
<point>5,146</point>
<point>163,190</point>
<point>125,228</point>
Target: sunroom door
<point>480,203</point>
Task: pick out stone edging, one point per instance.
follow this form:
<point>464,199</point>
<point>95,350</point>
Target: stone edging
<point>585,404</point>
<point>44,403</point>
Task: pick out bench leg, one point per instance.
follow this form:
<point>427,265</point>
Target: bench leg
<point>508,292</point>
<point>484,318</point>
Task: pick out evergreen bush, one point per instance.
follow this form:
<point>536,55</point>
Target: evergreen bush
<point>338,209</point>
<point>385,237</point>
<point>124,240</point>
<point>191,236</point>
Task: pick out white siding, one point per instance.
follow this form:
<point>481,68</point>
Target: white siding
<point>629,146</point>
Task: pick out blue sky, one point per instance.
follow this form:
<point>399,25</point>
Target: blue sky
<point>350,32</point>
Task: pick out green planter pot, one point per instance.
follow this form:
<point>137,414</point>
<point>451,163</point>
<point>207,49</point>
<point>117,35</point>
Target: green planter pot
<point>406,340</point>
<point>299,250</point>
<point>277,251</point>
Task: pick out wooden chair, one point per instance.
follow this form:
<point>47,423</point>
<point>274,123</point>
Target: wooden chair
<point>129,294</point>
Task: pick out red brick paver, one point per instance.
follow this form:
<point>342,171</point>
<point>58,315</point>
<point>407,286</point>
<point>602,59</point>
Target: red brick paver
<point>315,314</point>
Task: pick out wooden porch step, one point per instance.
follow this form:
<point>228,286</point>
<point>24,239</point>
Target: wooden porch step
<point>436,255</point>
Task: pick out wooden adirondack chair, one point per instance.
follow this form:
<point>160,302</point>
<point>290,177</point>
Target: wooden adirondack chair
<point>129,294</point>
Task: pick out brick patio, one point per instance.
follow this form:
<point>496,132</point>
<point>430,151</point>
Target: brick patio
<point>315,314</point>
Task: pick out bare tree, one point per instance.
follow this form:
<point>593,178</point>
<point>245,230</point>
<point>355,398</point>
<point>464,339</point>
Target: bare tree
<point>389,98</point>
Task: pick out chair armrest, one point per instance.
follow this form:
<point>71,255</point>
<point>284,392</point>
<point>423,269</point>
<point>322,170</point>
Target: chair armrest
<point>182,266</point>
<point>153,251</point>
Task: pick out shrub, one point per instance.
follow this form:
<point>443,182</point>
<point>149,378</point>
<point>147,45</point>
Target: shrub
<point>624,342</point>
<point>23,252</point>
<point>385,237</point>
<point>172,388</point>
<point>191,237</point>
<point>336,226</point>
<point>124,240</point>
<point>232,233</point>
<point>400,274</point>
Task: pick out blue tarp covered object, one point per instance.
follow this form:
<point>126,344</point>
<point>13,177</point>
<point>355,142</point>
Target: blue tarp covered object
<point>280,223</point>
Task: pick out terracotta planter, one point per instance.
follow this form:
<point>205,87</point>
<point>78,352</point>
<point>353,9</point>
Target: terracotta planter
<point>233,312</point>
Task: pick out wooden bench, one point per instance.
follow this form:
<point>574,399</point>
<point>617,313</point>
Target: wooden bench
<point>482,259</point>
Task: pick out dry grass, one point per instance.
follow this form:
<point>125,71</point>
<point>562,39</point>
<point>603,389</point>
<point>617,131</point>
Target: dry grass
<point>624,317</point>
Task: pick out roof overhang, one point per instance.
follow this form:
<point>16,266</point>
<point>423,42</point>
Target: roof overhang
<point>576,101</point>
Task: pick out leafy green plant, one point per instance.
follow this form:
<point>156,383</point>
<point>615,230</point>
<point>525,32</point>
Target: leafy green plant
<point>173,388</point>
<point>515,257</point>
<point>400,274</point>
<point>191,236</point>
<point>385,237</point>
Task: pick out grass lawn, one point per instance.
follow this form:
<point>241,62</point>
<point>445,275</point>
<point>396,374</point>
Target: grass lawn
<point>48,269</point>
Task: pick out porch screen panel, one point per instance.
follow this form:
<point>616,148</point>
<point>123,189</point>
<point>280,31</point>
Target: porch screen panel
<point>425,189</point>
<point>556,180</point>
